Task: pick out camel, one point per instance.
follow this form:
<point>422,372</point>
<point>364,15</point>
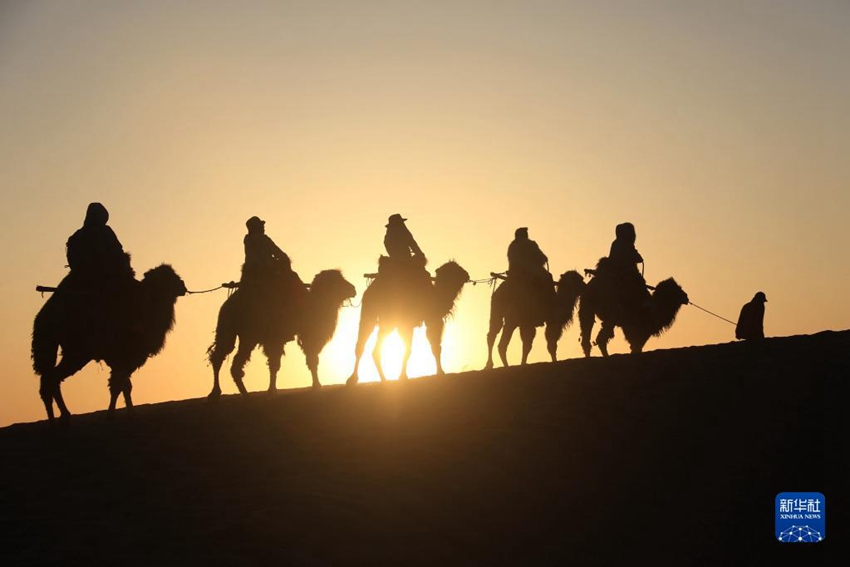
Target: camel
<point>123,328</point>
<point>510,309</point>
<point>653,317</point>
<point>248,316</point>
<point>384,307</point>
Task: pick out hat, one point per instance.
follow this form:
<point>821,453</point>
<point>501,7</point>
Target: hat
<point>521,230</point>
<point>254,221</point>
<point>395,219</point>
<point>760,296</point>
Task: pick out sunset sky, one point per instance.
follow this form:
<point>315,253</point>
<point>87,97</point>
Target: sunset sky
<point>720,129</point>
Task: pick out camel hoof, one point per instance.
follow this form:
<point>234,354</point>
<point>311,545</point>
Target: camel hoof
<point>317,386</point>
<point>352,380</point>
<point>214,396</point>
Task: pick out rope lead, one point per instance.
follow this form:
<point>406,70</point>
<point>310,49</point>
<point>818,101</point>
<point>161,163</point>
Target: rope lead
<point>710,313</point>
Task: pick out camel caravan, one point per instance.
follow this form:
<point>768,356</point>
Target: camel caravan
<point>101,312</point>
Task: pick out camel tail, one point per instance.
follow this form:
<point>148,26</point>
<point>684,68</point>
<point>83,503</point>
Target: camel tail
<point>571,287</point>
<point>45,343</point>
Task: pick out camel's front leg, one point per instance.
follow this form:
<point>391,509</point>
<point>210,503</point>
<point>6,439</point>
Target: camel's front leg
<point>507,333</point>
<point>119,381</point>
<point>127,391</point>
<point>434,333</point>
<point>273,354</point>
<point>312,358</point>
<point>383,333</point>
<point>527,335</point>
<point>406,335</point>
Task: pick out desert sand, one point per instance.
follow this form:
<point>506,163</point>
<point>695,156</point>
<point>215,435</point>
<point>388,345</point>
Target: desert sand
<point>671,457</point>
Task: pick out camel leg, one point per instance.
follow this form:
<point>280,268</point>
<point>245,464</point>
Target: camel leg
<point>406,335</point>
<point>240,359</point>
<point>434,333</point>
<point>273,354</point>
<point>219,351</point>
<point>495,327</point>
<point>64,414</point>
<point>363,334</point>
<point>118,381</point>
<point>606,333</point>
<point>383,333</point>
<point>586,319</point>
<point>553,334</point>
<point>507,333</point>
<point>313,364</point>
<point>527,335</point>
<point>46,390</point>
<point>128,398</point>
<point>50,388</point>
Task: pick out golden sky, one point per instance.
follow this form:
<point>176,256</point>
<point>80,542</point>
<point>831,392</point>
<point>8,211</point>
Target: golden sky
<point>720,129</point>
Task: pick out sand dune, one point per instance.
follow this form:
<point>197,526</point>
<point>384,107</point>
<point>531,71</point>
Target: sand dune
<point>669,458</point>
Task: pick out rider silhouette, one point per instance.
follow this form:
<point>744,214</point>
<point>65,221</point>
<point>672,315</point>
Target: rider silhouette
<point>405,260</point>
<point>94,253</point>
<point>264,260</point>
<point>527,267</point>
<point>621,267</point>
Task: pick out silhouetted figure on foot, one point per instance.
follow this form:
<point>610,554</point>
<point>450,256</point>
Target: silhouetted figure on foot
<point>527,267</point>
<point>751,320</point>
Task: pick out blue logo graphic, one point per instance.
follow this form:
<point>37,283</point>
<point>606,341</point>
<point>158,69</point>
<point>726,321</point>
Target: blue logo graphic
<point>800,517</point>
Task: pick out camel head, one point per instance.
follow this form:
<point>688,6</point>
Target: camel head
<point>667,299</point>
<point>571,283</point>
<point>451,276</point>
<point>165,281</point>
<point>331,285</point>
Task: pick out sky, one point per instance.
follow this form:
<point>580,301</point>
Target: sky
<point>720,129</point>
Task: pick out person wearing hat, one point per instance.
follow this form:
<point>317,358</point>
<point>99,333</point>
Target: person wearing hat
<point>751,320</point>
<point>263,258</point>
<point>94,253</point>
<point>399,241</point>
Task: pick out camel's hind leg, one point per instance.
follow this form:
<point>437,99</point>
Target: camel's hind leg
<point>383,333</point>
<point>218,352</point>
<point>606,333</point>
<point>50,387</point>
<point>586,318</point>
<point>527,335</point>
<point>507,334</point>
<point>240,359</point>
<point>495,327</point>
<point>273,353</point>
